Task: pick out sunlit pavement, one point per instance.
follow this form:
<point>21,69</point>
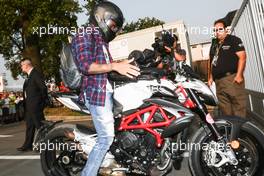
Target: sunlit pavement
<point>15,163</point>
<point>11,162</point>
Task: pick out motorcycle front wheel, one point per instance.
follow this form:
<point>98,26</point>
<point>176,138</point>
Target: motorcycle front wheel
<point>249,154</point>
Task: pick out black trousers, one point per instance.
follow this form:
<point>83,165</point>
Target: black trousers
<point>32,123</point>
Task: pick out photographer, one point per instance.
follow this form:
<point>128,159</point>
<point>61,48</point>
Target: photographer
<point>179,59</point>
<point>163,48</point>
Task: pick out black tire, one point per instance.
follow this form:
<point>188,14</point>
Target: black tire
<point>251,140</point>
<point>51,159</point>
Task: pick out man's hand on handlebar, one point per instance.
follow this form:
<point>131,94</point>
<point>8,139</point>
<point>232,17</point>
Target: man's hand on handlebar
<point>126,68</point>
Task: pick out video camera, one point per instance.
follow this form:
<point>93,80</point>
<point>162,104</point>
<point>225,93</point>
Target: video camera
<point>166,39</point>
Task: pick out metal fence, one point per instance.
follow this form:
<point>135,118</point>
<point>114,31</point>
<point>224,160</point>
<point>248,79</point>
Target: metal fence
<point>248,24</point>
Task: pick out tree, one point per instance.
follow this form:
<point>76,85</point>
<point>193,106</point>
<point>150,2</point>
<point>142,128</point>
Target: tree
<point>90,5</point>
<point>22,24</point>
<point>142,23</point>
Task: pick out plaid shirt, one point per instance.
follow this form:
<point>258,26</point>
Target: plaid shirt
<point>88,49</point>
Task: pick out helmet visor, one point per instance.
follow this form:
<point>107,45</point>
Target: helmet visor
<point>112,25</point>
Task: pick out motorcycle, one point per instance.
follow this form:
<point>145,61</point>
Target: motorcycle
<point>150,124</point>
<point>153,113</point>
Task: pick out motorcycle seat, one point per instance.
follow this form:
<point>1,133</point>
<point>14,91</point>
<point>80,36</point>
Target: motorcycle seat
<point>79,104</point>
<point>117,108</point>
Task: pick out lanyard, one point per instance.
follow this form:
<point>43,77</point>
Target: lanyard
<point>215,59</point>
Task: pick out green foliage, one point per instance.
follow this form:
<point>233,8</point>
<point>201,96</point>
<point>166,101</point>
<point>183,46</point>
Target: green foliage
<point>142,23</point>
<point>18,36</point>
<point>20,22</point>
<point>91,3</point>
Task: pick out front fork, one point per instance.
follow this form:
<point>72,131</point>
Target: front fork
<point>202,111</point>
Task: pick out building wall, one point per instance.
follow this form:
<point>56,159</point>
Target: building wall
<point>1,84</point>
<point>201,68</point>
<point>11,83</point>
<point>200,51</point>
<point>200,59</point>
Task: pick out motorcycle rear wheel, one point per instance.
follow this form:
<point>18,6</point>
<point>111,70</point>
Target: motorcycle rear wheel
<point>61,156</point>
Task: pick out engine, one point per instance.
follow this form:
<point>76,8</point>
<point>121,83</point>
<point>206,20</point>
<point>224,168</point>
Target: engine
<point>135,149</point>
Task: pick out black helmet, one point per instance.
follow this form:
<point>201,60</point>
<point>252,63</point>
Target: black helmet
<point>109,18</point>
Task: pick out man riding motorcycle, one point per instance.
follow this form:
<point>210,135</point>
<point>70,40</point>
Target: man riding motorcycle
<point>94,61</point>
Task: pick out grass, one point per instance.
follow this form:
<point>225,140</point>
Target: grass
<point>61,111</point>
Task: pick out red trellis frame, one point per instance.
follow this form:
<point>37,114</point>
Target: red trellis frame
<point>148,126</point>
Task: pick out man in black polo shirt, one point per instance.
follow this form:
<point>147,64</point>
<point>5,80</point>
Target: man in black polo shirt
<point>228,61</point>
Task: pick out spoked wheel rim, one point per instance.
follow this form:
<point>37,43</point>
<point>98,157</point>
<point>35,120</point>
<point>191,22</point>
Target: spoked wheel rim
<point>64,158</point>
<point>247,156</point>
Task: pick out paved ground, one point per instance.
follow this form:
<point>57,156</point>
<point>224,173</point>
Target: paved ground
<point>11,137</point>
<point>14,163</point>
